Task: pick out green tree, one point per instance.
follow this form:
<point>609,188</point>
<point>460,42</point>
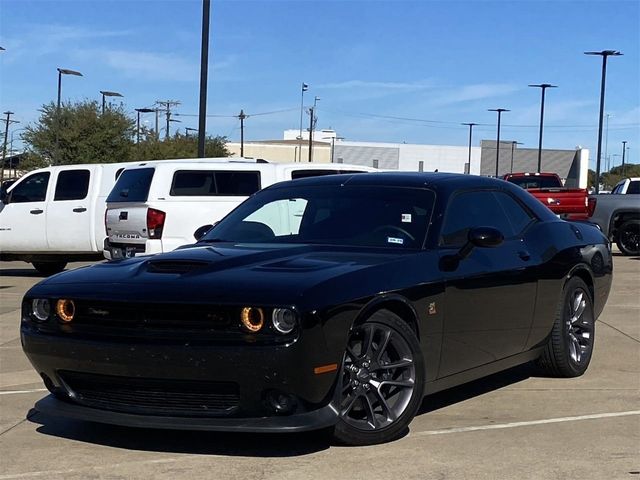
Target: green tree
<point>178,146</point>
<point>80,133</point>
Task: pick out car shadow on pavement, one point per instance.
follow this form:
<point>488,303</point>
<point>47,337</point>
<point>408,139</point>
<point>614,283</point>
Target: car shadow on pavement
<point>179,441</point>
<point>20,272</point>
<point>477,388</point>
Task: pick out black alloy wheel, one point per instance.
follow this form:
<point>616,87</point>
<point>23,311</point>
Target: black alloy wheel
<point>570,346</point>
<point>628,237</point>
<point>381,383</point>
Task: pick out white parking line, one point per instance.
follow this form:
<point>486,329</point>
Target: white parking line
<point>16,392</point>
<point>526,424</point>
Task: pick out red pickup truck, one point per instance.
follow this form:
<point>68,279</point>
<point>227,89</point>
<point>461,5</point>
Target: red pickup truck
<point>567,203</point>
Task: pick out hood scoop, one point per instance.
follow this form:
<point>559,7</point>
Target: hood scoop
<point>175,266</point>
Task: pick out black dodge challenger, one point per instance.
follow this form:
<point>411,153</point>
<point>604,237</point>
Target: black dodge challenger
<point>337,301</point>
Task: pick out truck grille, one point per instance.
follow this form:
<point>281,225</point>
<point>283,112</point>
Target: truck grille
<point>153,396</point>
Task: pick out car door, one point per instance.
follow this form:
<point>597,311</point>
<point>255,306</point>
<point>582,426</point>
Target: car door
<point>22,220</point>
<point>69,216</point>
<point>490,296</point>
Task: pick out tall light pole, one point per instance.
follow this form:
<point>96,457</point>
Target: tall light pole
<point>499,110</point>
<point>242,117</point>
<point>61,71</point>
<point>470,125</point>
<point>304,88</point>
<point>204,66</point>
<point>312,126</point>
<point>141,110</point>
<point>543,87</point>
<point>604,54</point>
<point>107,93</point>
<point>624,148</point>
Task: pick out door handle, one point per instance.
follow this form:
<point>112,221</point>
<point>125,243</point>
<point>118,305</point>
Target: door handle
<point>79,209</point>
<point>524,255</point>
<point>37,211</point>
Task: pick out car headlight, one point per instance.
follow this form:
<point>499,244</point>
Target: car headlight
<point>66,309</point>
<point>41,309</point>
<point>284,320</point>
<point>252,319</point>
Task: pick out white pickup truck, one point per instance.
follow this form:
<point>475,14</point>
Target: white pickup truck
<point>55,215</point>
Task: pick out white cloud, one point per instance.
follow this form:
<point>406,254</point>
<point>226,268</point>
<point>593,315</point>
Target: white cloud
<point>389,86</point>
<point>479,91</point>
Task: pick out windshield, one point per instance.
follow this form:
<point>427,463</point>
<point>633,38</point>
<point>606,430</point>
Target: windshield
<point>336,215</point>
<point>536,182</point>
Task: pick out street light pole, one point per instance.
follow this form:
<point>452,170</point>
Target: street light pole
<point>204,65</point>
<point>471,125</point>
<point>106,93</point>
<point>604,54</point>
<point>242,116</point>
<point>543,87</point>
<point>61,71</point>
<point>304,88</point>
<point>624,148</point>
<point>139,111</point>
<point>499,110</point>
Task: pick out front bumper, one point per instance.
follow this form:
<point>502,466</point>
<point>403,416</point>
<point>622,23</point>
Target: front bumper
<point>315,420</point>
<point>254,371</point>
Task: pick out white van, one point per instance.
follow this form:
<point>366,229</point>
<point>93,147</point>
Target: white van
<point>157,206</point>
<point>55,215</point>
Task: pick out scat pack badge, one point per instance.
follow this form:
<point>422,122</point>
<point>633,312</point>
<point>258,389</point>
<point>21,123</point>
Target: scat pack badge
<point>432,308</point>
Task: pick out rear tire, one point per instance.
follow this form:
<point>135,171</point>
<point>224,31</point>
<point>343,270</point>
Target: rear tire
<point>49,268</point>
<point>628,237</point>
<point>570,345</point>
<point>381,384</point>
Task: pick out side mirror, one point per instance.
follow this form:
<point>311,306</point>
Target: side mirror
<point>202,231</point>
<point>481,237</point>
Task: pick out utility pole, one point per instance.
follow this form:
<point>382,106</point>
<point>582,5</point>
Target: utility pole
<point>157,134</point>
<point>624,148</point>
<point>304,88</point>
<point>470,125</point>
<point>7,121</point>
<point>167,109</point>
<point>242,116</point>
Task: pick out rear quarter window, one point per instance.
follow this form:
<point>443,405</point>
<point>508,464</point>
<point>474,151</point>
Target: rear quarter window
<point>132,186</point>
<point>206,183</point>
<point>72,185</point>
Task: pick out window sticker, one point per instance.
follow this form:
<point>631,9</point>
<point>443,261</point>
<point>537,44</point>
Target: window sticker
<point>406,218</point>
<point>397,241</point>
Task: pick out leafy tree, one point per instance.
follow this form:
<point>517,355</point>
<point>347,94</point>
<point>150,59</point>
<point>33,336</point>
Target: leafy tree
<point>178,146</point>
<point>80,133</point>
<point>612,177</point>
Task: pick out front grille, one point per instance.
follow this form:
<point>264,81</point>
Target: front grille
<point>153,396</point>
<point>156,316</point>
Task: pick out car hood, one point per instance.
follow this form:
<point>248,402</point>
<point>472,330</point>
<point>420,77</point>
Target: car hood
<point>222,273</point>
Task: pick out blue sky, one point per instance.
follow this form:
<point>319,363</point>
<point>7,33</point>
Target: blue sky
<point>439,61</point>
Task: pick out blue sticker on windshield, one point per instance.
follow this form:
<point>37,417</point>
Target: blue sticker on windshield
<point>397,241</point>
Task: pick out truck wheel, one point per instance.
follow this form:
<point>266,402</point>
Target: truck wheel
<point>628,237</point>
<point>49,268</point>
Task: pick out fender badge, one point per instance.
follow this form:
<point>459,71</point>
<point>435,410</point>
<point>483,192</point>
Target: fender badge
<point>432,308</point>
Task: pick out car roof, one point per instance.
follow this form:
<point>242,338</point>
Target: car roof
<point>246,164</point>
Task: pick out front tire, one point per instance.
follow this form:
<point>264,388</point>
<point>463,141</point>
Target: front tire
<point>628,237</point>
<point>570,345</point>
<point>382,381</point>
<point>49,268</point>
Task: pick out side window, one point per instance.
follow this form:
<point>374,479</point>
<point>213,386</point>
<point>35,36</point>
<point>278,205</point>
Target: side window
<point>32,189</point>
<point>72,185</point>
<point>617,189</point>
<point>193,183</point>
<point>283,217</point>
<point>518,217</point>
<point>634,187</point>
<point>472,209</point>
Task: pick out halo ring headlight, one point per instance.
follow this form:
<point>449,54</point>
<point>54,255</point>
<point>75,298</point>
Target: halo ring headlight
<point>252,319</point>
<point>66,309</point>
<point>41,309</point>
<point>284,320</point>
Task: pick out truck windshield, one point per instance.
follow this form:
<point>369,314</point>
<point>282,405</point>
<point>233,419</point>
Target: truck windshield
<point>132,186</point>
<point>536,182</point>
<point>389,217</point>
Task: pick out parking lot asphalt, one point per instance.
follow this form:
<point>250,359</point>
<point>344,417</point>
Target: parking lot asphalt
<point>513,425</point>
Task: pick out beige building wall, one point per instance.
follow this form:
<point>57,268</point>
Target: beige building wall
<point>281,153</point>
